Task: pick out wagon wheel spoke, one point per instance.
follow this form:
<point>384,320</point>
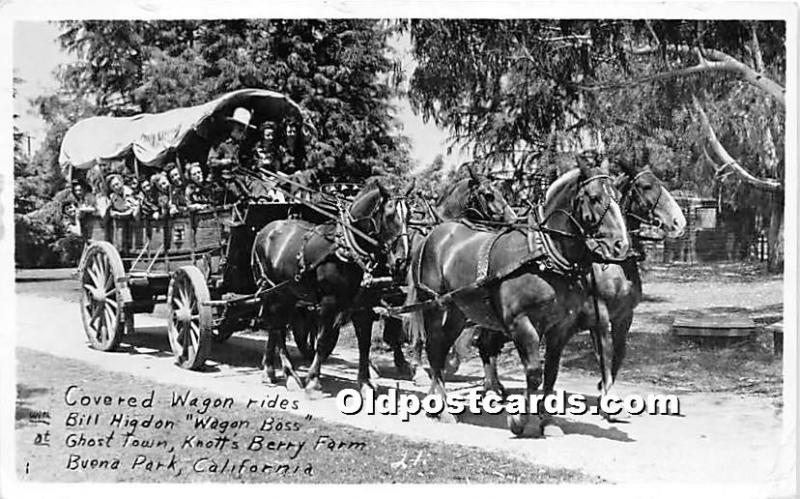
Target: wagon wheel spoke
<point>181,334</point>
<point>103,264</point>
<point>99,270</point>
<point>91,289</point>
<point>184,297</point>
<point>186,340</point>
<point>112,308</point>
<point>109,284</point>
<point>195,334</point>
<point>101,330</point>
<point>110,318</point>
<point>91,270</point>
<point>95,317</point>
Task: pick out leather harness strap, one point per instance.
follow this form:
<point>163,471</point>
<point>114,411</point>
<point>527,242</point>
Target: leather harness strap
<point>483,255</point>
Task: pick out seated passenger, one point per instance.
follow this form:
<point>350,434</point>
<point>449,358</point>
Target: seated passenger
<point>178,186</point>
<point>133,182</point>
<point>215,190</point>
<point>84,201</point>
<point>123,203</point>
<point>69,212</point>
<point>195,192</point>
<point>163,196</point>
<point>147,203</point>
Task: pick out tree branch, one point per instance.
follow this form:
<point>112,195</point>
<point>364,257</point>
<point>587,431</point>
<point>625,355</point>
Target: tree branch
<point>719,171</point>
<point>585,39</point>
<point>710,61</point>
<point>770,185</point>
<point>646,49</point>
<point>757,59</point>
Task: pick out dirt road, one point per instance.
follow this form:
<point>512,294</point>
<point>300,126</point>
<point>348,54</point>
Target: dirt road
<point>718,438</point>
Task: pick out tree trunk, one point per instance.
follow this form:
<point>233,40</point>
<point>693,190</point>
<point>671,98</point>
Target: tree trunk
<point>775,236</point>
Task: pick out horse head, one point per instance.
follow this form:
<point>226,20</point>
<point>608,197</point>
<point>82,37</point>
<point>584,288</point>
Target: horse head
<point>645,199</point>
<point>384,217</point>
<point>585,200</point>
<point>475,198</point>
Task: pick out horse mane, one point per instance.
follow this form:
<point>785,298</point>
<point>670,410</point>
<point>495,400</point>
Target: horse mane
<point>561,183</point>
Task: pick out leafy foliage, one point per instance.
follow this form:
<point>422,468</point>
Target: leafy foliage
<point>518,87</point>
<point>337,69</point>
<point>523,94</point>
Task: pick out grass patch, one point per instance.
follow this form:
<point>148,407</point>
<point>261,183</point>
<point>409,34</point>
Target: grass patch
<point>747,367</point>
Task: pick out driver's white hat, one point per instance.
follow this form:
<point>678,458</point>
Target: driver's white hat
<point>241,116</point>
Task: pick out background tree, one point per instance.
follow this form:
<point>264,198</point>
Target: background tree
<point>524,94</point>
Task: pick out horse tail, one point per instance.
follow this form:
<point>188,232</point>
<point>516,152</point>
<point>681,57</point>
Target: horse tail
<point>257,260</point>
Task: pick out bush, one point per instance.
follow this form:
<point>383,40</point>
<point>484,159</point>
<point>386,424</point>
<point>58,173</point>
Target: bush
<point>39,244</point>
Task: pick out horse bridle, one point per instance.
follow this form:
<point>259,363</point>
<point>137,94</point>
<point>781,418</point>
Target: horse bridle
<point>628,201</point>
<point>583,233</point>
<point>388,246</point>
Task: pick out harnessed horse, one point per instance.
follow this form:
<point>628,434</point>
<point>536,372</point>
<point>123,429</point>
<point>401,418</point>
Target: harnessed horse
<point>520,282</point>
<point>324,266</point>
<point>644,200</point>
<point>474,199</point>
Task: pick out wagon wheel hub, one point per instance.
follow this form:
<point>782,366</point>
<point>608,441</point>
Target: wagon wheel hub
<point>98,295</point>
<point>183,314</point>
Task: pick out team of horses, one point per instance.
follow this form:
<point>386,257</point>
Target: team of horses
<point>569,264</point>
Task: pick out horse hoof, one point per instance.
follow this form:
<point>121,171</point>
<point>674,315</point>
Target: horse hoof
<point>447,418</point>
<point>293,385</point>
<point>421,378</point>
<point>313,389</point>
<point>622,417</point>
<point>367,391</point>
<point>498,390</point>
<point>550,430</point>
<point>452,364</point>
<point>268,378</point>
<point>516,424</point>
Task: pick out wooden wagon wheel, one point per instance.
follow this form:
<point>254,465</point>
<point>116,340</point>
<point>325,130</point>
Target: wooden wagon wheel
<point>104,294</point>
<point>190,322</point>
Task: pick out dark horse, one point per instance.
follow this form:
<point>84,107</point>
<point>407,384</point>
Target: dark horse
<point>520,282</point>
<point>644,200</point>
<point>324,267</point>
<point>473,198</point>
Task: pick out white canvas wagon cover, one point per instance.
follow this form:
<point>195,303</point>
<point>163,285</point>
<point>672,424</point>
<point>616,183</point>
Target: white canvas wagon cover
<point>153,138</point>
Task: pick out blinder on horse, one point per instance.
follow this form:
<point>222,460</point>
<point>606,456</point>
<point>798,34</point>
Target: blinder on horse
<point>587,221</point>
<point>635,201</point>
<point>371,258</point>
